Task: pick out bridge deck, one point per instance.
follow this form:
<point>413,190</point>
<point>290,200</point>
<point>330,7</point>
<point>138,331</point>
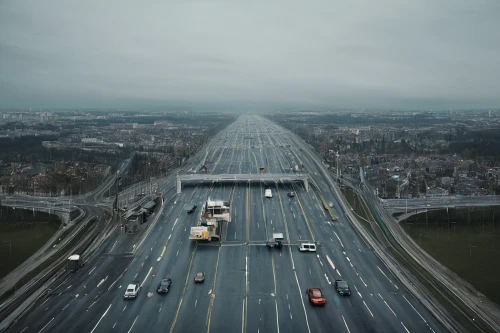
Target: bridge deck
<point>243,178</point>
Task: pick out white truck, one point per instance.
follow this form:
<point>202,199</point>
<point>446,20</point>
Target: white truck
<point>268,193</point>
<point>74,262</point>
<point>132,290</point>
<point>213,214</point>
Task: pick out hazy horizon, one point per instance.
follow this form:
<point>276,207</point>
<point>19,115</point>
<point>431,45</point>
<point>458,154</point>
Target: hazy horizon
<point>250,56</point>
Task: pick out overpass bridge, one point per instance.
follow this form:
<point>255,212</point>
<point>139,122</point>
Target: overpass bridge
<point>283,177</point>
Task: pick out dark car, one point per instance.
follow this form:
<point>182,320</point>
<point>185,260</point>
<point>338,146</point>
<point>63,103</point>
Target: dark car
<point>342,287</point>
<point>190,208</point>
<point>199,277</point>
<point>316,296</point>
<point>291,194</point>
<point>164,286</point>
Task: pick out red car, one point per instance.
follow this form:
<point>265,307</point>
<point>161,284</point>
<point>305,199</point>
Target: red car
<point>315,296</point>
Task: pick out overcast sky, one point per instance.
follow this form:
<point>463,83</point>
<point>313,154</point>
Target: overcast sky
<point>347,53</point>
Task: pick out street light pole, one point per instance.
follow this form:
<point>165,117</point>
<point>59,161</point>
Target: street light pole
<point>337,156</point>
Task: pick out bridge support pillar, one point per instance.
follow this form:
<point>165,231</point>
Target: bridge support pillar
<point>306,184</point>
<point>179,187</point>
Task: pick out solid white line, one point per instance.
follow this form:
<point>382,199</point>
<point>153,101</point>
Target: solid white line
<point>381,271</point>
<point>243,317</point>
<point>338,273</point>
<point>368,308</point>
<point>46,325</point>
<point>92,269</point>
<point>363,281</point>
<point>415,309</point>
<point>339,239</point>
<point>405,327</point>
<point>277,316</point>
<point>302,299</point>
<point>246,290</point>
<point>102,281</point>
<point>346,324</point>
<point>100,319</point>
<point>130,330</point>
<point>390,308</point>
<point>24,329</point>
<point>330,261</point>
<point>45,301</point>
<point>91,305</point>
<point>112,284</point>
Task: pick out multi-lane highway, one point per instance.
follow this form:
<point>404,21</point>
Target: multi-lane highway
<point>441,202</point>
<point>248,287</point>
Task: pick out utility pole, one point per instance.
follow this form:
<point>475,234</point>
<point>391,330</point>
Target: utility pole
<point>338,157</point>
<point>117,180</point>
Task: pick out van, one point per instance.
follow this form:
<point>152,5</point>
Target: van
<point>307,247</point>
<point>268,193</point>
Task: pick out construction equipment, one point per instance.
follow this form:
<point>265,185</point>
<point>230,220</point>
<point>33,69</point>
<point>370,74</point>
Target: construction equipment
<point>213,214</point>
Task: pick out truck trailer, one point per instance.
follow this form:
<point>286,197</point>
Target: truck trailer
<point>74,262</point>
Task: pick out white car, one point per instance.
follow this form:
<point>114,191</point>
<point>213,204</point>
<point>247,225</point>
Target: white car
<point>132,290</point>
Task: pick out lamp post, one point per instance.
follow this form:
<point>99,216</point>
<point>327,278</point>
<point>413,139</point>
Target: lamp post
<point>10,247</point>
<point>337,156</point>
<point>117,180</point>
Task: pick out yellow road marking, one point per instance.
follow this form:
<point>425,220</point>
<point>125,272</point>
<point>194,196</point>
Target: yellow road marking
<point>284,218</point>
<point>212,296</point>
<point>248,213</point>
<point>305,218</point>
<point>184,290</point>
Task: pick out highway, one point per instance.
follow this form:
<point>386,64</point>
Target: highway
<point>441,202</point>
<point>248,287</point>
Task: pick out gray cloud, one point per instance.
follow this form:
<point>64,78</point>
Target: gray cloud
<point>385,53</point>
